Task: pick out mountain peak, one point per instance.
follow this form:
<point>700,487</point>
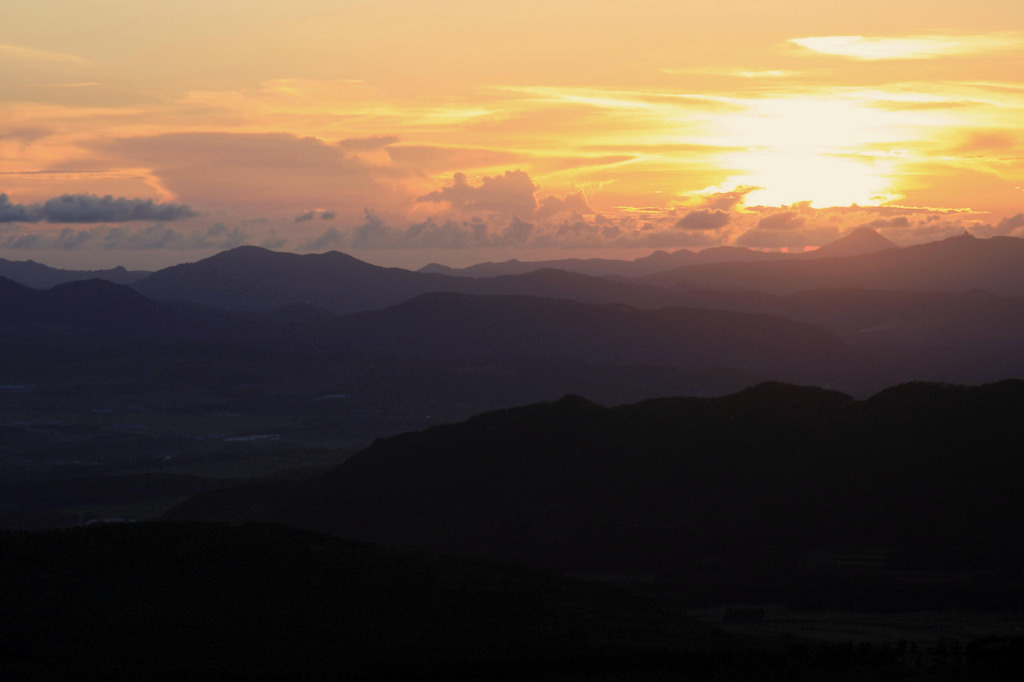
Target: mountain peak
<point>857,242</point>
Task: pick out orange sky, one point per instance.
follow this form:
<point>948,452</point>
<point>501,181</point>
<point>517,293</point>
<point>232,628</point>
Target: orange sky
<point>458,130</point>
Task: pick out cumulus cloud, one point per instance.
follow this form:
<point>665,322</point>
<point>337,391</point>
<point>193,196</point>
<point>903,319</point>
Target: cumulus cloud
<point>721,201</point>
<point>784,221</point>
<point>314,213</point>
<point>703,219</point>
<point>509,194</point>
<point>885,223</point>
<point>269,172</point>
<point>90,208</point>
<point>575,202</point>
<point>330,239</point>
<point>1008,225</point>
<point>155,237</point>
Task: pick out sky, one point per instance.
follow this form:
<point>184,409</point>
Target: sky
<point>404,132</point>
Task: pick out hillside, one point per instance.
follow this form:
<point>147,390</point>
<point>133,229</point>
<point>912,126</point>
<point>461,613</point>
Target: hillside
<point>761,495</point>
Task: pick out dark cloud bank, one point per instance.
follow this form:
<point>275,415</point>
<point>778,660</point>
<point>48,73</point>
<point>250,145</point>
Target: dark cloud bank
<point>91,208</point>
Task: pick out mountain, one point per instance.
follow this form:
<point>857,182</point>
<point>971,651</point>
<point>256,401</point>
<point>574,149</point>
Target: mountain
<point>41,276</point>
<point>504,327</point>
<point>770,494</point>
<point>252,278</point>
<point>955,264</point>
<point>86,306</point>
<point>450,327</point>
<point>857,242</point>
<point>602,267</point>
<point>967,337</point>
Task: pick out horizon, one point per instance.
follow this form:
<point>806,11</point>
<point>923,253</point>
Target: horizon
<point>396,132</point>
<point>419,258</point>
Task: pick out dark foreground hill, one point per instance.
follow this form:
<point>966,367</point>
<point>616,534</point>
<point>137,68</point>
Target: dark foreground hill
<point>172,601</point>
<point>778,493</point>
<point>191,601</point>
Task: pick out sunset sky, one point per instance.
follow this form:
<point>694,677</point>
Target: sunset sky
<point>146,134</point>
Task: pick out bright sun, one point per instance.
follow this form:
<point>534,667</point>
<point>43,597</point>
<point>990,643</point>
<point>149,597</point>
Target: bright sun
<point>810,149</point>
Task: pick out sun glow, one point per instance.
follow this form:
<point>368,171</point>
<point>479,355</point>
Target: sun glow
<point>809,149</point>
<point>786,178</point>
<point>912,47</point>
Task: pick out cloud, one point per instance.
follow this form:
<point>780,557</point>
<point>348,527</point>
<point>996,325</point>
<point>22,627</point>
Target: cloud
<point>723,201</point>
<point>980,142</point>
<point>784,221</point>
<point>27,54</point>
<point>314,213</point>
<point>25,135</point>
<point>267,173</point>
<point>703,219</point>
<point>910,47</point>
<point>365,144</point>
<point>1008,225</point>
<point>330,239</point>
<point>90,208</point>
<point>20,213</point>
<point>155,237</point>
<point>884,223</point>
<point>509,194</point>
<point>550,205</point>
<point>437,158</point>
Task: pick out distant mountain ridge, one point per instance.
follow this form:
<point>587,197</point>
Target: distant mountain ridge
<point>954,264</point>
<point>448,326</point>
<point>604,267</point>
<point>860,241</point>
<point>39,276</point>
<point>253,278</point>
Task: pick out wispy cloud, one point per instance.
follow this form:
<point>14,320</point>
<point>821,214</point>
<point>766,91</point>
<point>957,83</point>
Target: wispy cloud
<point>910,47</point>
<point>28,54</point>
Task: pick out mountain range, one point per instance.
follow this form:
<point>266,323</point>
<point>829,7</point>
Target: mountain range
<point>857,242</point>
<point>42,276</point>
<point>954,264</point>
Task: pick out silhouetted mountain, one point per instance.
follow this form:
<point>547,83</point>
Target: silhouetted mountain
<point>754,496</point>
<point>954,264</point>
<point>252,278</point>
<point>857,242</point>
<point>603,267</point>
<point>967,337</point>
<point>448,326</point>
<point>98,306</point>
<point>503,327</point>
<point>41,276</point>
